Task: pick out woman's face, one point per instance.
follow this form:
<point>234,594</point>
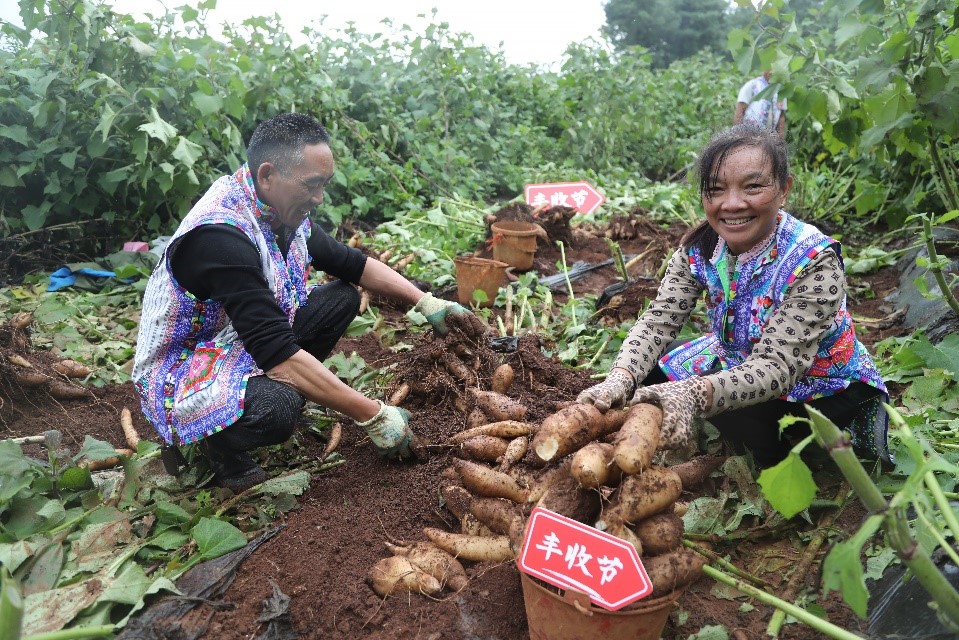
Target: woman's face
<point>741,206</point>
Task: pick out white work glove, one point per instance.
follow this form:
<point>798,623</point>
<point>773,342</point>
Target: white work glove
<point>389,430</point>
<point>681,402</point>
<point>614,391</point>
<point>437,311</point>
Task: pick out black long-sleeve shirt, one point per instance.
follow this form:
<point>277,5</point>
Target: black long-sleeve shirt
<point>219,262</point>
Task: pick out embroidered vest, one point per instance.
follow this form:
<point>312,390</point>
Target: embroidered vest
<point>190,368</point>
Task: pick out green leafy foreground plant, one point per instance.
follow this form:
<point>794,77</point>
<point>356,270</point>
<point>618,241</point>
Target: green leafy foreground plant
<point>787,487</point>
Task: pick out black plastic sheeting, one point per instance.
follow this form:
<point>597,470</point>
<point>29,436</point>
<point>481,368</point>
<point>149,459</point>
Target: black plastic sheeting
<point>899,608</point>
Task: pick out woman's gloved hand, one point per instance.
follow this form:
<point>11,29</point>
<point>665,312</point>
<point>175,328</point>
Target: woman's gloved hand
<point>389,430</point>
<point>439,312</point>
<point>614,391</point>
<point>680,401</point>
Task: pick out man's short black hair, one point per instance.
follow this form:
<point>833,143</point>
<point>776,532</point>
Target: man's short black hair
<point>281,139</point>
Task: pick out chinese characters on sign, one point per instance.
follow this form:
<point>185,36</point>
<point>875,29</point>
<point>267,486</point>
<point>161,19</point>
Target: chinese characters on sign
<point>572,555</point>
<point>581,196</point>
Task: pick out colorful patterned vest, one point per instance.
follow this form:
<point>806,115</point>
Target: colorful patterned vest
<point>191,368</point>
<point>755,291</point>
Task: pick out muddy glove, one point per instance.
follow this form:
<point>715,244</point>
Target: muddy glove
<point>389,431</point>
<point>614,391</point>
<point>681,402</point>
<point>438,312</point>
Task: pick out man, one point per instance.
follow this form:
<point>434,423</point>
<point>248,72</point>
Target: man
<point>232,340</point>
<point>769,112</point>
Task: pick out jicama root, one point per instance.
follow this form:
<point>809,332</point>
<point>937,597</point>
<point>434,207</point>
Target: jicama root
<point>129,433</point>
<point>484,448</point>
<point>501,429</point>
<point>71,369</point>
<point>694,472</point>
<point>502,378</point>
<point>473,548</point>
<point>497,405</point>
<point>566,431</point>
<point>483,481</point>
<point>638,439</point>
<point>397,573</point>
<point>673,570</point>
<point>515,451</point>
<point>593,466</point>
<point>438,563</point>
<point>643,495</point>
<point>660,533</point>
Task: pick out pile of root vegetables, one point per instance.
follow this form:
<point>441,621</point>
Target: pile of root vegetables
<point>596,468</point>
<point>22,368</point>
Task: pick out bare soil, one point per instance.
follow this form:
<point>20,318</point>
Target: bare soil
<point>322,556</point>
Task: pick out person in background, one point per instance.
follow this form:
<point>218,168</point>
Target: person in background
<point>769,111</point>
<point>232,339</point>
<point>780,334</point>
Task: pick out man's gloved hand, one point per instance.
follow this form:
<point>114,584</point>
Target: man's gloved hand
<point>438,312</point>
<point>389,430</point>
<point>614,391</point>
<point>681,402</point>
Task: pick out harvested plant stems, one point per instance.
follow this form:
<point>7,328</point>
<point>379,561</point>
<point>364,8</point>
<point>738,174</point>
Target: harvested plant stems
<point>798,613</point>
<point>74,634</point>
<point>726,564</point>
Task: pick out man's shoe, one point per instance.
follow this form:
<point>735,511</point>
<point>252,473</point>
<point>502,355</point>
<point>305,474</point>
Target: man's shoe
<point>240,482</point>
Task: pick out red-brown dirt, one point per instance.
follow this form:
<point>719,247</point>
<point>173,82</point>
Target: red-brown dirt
<point>322,556</point>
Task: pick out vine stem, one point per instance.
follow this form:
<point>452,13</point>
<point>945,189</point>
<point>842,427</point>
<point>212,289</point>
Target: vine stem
<point>72,634</point>
<point>935,267</point>
<point>798,613</point>
<point>726,564</point>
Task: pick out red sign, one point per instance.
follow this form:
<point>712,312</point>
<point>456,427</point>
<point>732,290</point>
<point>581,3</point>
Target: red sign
<point>581,196</point>
<point>571,555</point>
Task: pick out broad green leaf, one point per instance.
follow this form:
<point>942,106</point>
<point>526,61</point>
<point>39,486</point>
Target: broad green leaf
<point>788,486</point>
<point>876,565</point>
<point>170,539</point>
<point>943,355</point>
<point>294,484</point>
<point>157,127</point>
<point>710,632</point>
<point>216,537</point>
<point>187,152</point>
<point>97,545</point>
<point>846,89</point>
<point>705,515</point>
<point>171,513</point>
<point>13,554</point>
<point>49,611</point>
<point>76,479</point>
<point>206,104</point>
<point>842,568</point>
<point>17,133</point>
<point>12,461</point>
<point>141,48</point>
<point>107,116</point>
<point>94,450</point>
<point>44,570</point>
<point>69,159</point>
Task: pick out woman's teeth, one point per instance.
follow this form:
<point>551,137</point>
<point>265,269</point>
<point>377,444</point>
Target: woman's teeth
<point>735,222</point>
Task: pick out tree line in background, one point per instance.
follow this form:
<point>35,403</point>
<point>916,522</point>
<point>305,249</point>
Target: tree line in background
<point>111,123</point>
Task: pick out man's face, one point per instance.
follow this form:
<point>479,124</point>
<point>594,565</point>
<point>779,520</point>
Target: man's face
<point>297,192</point>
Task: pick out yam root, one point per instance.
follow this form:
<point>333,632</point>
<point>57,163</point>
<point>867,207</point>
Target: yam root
<point>547,479</point>
<point>458,369</point>
<point>20,361</point>
<point>502,378</point>
<point>71,369</point>
<point>129,433</point>
<point>515,451</point>
<point>660,533</point>
<point>473,548</point>
<point>638,438</point>
<point>31,379</point>
<point>592,466</point>
<point>673,570</point>
<point>500,515</point>
<point>472,526</point>
<point>567,430</point>
<point>397,574</point>
<point>498,406</point>
<point>456,499</point>
<point>336,435</point>
<point>21,321</point>
<point>107,463</point>
<point>694,472</point>
<point>643,495</point>
<point>623,532</point>
<point>484,448</point>
<point>500,429</point>
<point>62,391</point>
<point>430,559</point>
<point>481,480</point>
<point>567,498</point>
<point>476,418</point>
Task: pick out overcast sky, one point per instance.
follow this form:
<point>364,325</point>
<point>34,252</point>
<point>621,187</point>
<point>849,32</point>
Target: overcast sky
<point>531,31</point>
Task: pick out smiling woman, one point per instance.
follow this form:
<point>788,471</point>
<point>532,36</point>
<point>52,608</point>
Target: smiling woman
<point>776,300</point>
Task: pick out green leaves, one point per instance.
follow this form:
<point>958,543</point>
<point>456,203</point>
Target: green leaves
<point>216,537</point>
<point>157,127</point>
<point>789,485</point>
<point>842,568</point>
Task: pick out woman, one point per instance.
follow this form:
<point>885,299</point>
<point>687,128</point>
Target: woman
<point>776,300</point>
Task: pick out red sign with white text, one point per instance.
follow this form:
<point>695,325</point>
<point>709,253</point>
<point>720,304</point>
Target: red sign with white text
<point>581,196</point>
<point>571,555</point>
